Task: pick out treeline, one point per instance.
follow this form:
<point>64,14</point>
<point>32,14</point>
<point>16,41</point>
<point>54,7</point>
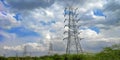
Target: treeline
<point>108,53</point>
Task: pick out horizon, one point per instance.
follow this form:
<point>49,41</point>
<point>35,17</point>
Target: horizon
<point>35,24</point>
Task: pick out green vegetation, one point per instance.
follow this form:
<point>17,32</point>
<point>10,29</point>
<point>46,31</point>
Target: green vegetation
<point>108,53</point>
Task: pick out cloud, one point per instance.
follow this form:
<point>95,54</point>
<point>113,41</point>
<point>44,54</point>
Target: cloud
<point>22,32</point>
<point>114,32</point>
<point>33,49</point>
<point>29,4</point>
<point>96,29</point>
<point>98,12</point>
<point>46,19</point>
<point>112,5</point>
<point>74,3</point>
<point>17,16</point>
<point>29,46</point>
<point>5,3</point>
<point>89,34</point>
<point>112,9</point>
<point>8,21</point>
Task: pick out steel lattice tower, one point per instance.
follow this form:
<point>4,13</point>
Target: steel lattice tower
<point>73,41</point>
<point>25,51</point>
<point>50,46</point>
<point>50,52</point>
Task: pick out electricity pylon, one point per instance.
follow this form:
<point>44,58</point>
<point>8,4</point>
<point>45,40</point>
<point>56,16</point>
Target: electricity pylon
<point>4,55</point>
<point>50,52</point>
<point>25,51</point>
<point>73,40</point>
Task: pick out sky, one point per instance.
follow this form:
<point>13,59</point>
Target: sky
<point>35,23</point>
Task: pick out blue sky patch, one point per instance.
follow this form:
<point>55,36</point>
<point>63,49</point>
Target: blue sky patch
<point>4,3</point>
<point>17,16</point>
<point>3,12</point>
<point>1,38</point>
<point>47,23</point>
<point>22,32</point>
<point>96,29</point>
<point>98,12</point>
<point>67,12</point>
<point>52,30</point>
<point>82,28</point>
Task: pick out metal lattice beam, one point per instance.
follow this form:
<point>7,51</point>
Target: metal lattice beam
<point>73,40</point>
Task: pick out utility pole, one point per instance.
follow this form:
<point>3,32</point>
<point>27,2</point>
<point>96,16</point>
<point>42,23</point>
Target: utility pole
<point>73,40</point>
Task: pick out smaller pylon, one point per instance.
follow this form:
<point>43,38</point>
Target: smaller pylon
<point>25,51</point>
<point>50,52</point>
<point>16,54</point>
<point>30,54</point>
<point>4,55</point>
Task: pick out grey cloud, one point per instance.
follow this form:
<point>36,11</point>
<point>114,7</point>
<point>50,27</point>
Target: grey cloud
<point>58,46</point>
<point>74,3</point>
<point>112,5</point>
<point>94,46</point>
<point>89,17</point>
<point>4,23</point>
<point>112,11</point>
<point>112,19</point>
<point>71,2</point>
<point>29,4</point>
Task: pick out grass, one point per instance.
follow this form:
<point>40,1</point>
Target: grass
<point>108,53</point>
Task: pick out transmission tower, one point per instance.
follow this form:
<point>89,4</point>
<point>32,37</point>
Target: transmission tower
<point>73,41</point>
<point>50,52</point>
<point>16,54</point>
<point>25,51</point>
<point>4,55</point>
